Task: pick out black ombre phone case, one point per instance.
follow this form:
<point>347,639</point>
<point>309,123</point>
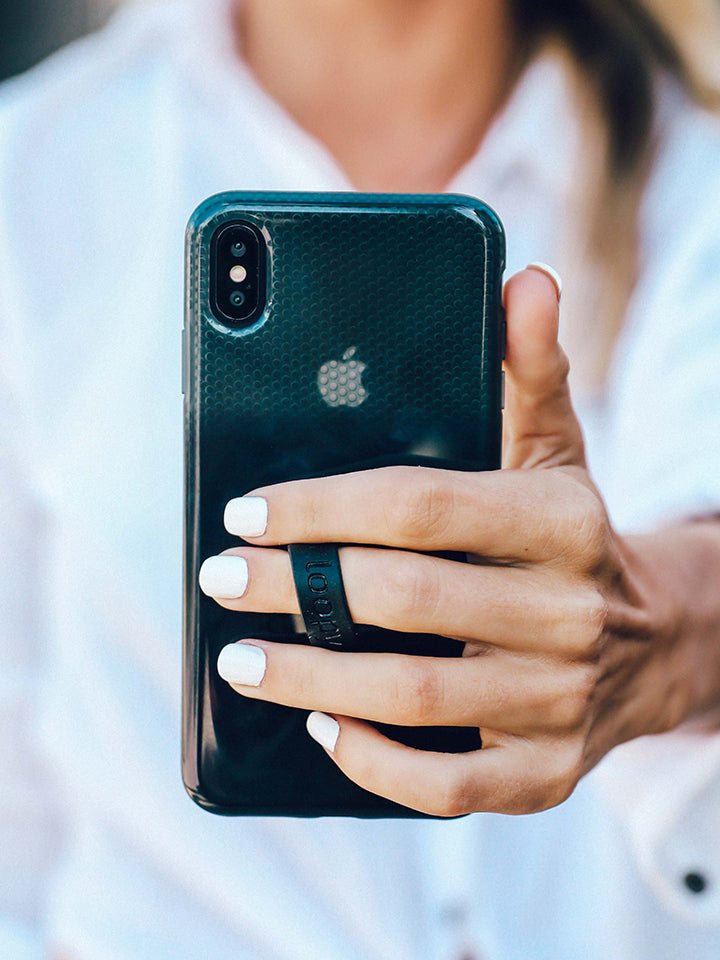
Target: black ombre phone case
<point>400,296</point>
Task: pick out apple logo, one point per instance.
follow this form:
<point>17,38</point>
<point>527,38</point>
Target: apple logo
<point>340,381</point>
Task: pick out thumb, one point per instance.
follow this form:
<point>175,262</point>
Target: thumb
<point>540,427</point>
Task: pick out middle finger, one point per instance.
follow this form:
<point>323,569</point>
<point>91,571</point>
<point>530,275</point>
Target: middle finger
<point>512,607</point>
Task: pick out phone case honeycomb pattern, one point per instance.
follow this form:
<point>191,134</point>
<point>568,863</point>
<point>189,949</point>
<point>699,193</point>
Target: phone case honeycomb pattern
<point>380,344</point>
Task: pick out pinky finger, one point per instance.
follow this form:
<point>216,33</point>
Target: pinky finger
<point>508,776</point>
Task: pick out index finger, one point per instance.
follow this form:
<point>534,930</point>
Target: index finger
<point>512,515</point>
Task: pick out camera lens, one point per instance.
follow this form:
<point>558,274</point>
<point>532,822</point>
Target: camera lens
<point>238,254</point>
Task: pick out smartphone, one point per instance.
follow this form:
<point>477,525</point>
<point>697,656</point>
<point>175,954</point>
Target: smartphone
<point>324,333</point>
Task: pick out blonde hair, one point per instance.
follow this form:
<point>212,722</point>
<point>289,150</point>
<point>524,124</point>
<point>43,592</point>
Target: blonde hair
<point>615,50</point>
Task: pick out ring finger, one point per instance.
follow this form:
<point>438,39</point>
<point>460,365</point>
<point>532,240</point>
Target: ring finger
<point>498,692</point>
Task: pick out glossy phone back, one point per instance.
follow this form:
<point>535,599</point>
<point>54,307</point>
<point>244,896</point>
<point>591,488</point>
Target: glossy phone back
<point>381,343</point>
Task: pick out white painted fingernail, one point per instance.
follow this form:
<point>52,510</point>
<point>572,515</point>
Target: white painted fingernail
<point>242,663</point>
<point>225,578</point>
<point>246,516</point>
<point>324,729</point>
<point>549,272</point>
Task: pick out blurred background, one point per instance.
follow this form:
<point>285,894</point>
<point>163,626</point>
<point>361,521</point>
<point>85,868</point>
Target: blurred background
<point>32,29</point>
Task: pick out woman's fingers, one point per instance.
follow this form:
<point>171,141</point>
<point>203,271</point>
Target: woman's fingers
<point>512,776</point>
<point>540,427</point>
<point>514,608</point>
<point>497,691</point>
<point>508,515</point>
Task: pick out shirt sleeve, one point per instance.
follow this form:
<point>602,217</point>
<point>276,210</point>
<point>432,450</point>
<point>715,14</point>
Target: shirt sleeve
<point>663,451</point>
<point>31,824</point>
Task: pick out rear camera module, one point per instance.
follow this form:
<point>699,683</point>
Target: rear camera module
<point>237,289</point>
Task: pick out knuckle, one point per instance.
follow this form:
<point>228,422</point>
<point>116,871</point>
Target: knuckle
<point>416,696</point>
<point>456,797</point>
<point>572,705</point>
<point>554,791</point>
<point>580,625</point>
<point>554,785</point>
<point>307,517</point>
<point>594,610</point>
<point>421,509</point>
<point>544,775</point>
<point>566,773</point>
<point>589,621</point>
<point>589,529</point>
<point>411,588</point>
<point>563,366</point>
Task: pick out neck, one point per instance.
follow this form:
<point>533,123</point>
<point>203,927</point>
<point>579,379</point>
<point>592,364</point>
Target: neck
<point>399,91</point>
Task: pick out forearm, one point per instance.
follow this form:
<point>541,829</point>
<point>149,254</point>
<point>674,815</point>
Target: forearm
<point>681,582</point>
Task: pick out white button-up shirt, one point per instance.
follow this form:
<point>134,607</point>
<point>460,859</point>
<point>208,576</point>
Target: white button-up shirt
<point>104,152</point>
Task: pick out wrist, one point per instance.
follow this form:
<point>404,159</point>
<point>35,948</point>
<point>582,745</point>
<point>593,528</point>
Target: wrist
<point>675,573</point>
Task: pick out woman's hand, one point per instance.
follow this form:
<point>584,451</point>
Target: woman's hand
<point>573,641</point>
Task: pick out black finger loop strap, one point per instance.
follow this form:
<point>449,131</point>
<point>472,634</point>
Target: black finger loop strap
<point>320,592</point>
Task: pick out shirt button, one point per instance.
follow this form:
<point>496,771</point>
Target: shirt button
<point>695,882</point>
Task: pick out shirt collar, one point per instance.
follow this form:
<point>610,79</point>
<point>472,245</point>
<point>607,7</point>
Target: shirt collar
<point>535,137</point>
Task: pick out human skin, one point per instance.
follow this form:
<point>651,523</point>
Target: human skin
<point>399,91</point>
<point>576,638</point>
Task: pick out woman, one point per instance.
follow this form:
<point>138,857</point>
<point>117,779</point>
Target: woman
<point>594,631</point>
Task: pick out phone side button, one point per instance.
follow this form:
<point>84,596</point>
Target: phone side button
<point>182,361</point>
<point>502,389</point>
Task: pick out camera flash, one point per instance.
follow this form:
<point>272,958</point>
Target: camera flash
<point>238,273</point>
